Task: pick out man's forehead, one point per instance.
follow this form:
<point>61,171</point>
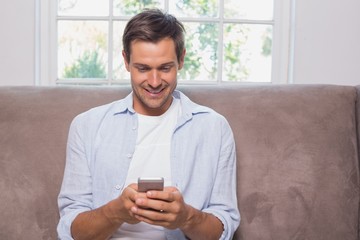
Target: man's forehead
<point>168,42</point>
<point>150,53</point>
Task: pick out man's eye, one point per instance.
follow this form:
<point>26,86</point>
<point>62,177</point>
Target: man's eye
<point>142,69</point>
<point>165,69</point>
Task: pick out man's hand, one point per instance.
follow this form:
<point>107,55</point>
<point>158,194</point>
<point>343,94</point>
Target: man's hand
<point>163,208</point>
<point>102,222</point>
<point>168,209</point>
<point>119,209</point>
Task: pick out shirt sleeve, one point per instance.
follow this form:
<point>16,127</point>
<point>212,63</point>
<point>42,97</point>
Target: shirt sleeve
<point>75,195</point>
<point>223,202</point>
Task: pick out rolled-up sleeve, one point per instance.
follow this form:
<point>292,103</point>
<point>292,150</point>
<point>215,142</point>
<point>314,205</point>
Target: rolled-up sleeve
<point>223,201</point>
<point>76,194</point>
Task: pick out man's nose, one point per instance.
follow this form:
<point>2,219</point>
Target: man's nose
<point>154,78</point>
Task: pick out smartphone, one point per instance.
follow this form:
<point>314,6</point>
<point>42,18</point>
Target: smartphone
<point>146,184</point>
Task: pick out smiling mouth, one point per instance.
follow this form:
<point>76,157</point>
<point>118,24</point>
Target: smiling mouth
<point>154,91</point>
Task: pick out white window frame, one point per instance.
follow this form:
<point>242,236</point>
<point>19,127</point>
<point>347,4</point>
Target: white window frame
<point>46,44</point>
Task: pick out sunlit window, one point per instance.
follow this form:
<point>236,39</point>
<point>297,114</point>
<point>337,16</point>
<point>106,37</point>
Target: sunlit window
<point>226,40</point>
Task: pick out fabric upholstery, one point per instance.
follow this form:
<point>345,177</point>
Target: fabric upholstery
<point>297,155</point>
<point>298,176</point>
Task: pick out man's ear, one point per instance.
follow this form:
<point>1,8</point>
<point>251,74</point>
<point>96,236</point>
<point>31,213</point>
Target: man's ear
<point>125,61</point>
<point>182,59</point>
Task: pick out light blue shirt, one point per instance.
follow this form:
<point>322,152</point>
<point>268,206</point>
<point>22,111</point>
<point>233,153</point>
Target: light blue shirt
<point>102,141</point>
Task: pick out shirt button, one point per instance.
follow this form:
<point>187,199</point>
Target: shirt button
<point>129,155</point>
<point>117,187</point>
<point>134,128</point>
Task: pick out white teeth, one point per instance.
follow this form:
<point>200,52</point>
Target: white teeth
<point>154,92</point>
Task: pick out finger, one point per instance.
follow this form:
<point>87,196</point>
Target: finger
<point>161,195</point>
<point>133,186</point>
<point>160,219</point>
<point>131,193</point>
<point>149,214</point>
<point>170,189</point>
<point>153,205</point>
<point>151,221</point>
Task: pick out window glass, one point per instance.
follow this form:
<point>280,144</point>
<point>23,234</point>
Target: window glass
<point>226,40</point>
<point>131,7</point>
<point>247,53</point>
<point>82,49</point>
<point>249,9</point>
<point>194,8</point>
<point>119,71</point>
<point>83,8</point>
<point>201,52</point>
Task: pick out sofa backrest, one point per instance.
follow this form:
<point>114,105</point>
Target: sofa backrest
<point>297,154</point>
<point>34,124</point>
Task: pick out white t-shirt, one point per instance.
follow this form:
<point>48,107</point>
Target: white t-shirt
<point>151,159</point>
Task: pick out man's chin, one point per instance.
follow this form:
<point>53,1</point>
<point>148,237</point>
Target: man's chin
<point>156,107</point>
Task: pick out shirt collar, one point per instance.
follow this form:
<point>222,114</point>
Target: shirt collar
<point>125,105</point>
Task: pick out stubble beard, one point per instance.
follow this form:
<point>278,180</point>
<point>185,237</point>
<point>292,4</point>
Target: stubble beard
<point>155,103</point>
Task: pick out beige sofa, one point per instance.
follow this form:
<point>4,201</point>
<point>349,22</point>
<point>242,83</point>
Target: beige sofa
<point>297,155</point>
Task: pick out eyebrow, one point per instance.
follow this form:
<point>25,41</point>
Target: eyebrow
<point>162,65</point>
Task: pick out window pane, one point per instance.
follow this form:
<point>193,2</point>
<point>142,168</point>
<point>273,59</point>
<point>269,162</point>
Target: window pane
<point>201,52</point>
<point>194,8</point>
<point>247,53</point>
<point>118,61</point>
<point>246,49</point>
<point>131,7</point>
<point>83,8</point>
<point>82,49</point>
<point>249,9</point>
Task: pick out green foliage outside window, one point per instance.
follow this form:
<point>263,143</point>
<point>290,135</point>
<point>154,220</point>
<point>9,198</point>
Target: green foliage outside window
<point>131,7</point>
<point>87,66</point>
<point>267,43</point>
<point>201,38</point>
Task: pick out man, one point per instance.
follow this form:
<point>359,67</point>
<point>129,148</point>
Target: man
<point>155,131</point>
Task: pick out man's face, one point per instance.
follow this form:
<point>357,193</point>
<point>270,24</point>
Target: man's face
<point>153,70</point>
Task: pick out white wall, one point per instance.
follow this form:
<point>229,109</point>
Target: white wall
<point>17,27</point>
<point>327,42</point>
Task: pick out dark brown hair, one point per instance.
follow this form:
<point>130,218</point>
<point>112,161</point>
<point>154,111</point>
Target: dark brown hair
<point>152,25</point>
